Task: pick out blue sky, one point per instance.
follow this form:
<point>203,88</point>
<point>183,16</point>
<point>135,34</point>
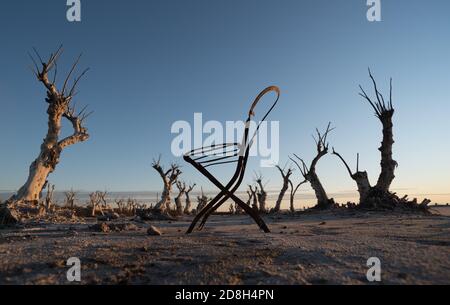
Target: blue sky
<point>155,62</point>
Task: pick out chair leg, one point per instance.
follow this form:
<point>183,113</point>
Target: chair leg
<point>202,212</point>
<point>256,217</point>
<point>210,211</point>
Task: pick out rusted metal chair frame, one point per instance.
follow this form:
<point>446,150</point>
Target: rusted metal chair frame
<point>227,191</point>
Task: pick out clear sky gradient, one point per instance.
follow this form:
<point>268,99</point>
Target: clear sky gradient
<point>155,62</point>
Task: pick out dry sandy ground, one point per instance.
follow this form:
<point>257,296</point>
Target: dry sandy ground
<point>326,248</point>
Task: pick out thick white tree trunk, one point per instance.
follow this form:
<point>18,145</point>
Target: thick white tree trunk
<point>169,178</point>
<point>37,178</point>
<point>362,181</point>
<point>59,106</point>
<point>181,190</point>
<point>187,208</point>
<point>47,160</point>
<point>166,198</point>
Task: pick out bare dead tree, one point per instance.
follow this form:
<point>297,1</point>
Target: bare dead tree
<point>131,206</point>
<point>202,201</point>
<point>181,190</point>
<point>238,209</point>
<point>254,192</point>
<point>120,203</point>
<point>250,196</point>
<point>103,200</point>
<point>309,173</point>
<point>95,203</point>
<point>49,197</point>
<point>360,177</point>
<point>285,174</point>
<point>384,111</point>
<point>231,209</point>
<point>262,194</point>
<point>187,208</point>
<point>43,188</point>
<point>70,198</point>
<point>169,178</point>
<point>294,190</point>
<point>60,106</point>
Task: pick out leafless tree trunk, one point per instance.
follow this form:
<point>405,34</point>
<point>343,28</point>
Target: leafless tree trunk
<point>49,197</point>
<point>103,200</point>
<point>131,206</point>
<point>60,105</point>
<point>238,209</point>
<point>378,194</point>
<point>285,174</point>
<point>254,192</point>
<point>70,199</point>
<point>262,195</point>
<point>187,208</point>
<point>95,201</point>
<point>323,202</point>
<point>120,203</point>
<point>361,178</point>
<point>292,194</point>
<point>181,190</point>
<point>202,201</point>
<point>384,112</point>
<point>169,178</point>
<point>250,197</point>
<point>231,209</point>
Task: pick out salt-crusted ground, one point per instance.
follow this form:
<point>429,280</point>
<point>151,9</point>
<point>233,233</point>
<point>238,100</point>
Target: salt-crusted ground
<point>317,248</point>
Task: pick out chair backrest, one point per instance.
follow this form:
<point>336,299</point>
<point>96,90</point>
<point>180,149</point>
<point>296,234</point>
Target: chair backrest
<point>200,155</point>
<point>248,141</point>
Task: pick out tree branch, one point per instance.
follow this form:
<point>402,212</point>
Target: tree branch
<point>343,161</point>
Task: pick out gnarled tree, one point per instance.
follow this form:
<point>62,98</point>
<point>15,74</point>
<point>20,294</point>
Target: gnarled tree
<point>254,192</point>
<point>70,198</point>
<point>294,190</point>
<point>187,208</point>
<point>262,194</point>
<point>285,174</point>
<point>169,178</point>
<point>49,197</point>
<point>378,194</point>
<point>238,208</point>
<point>360,177</point>
<point>181,190</point>
<point>60,106</point>
<point>202,201</point>
<point>384,112</point>
<point>309,173</point>
<point>95,203</point>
